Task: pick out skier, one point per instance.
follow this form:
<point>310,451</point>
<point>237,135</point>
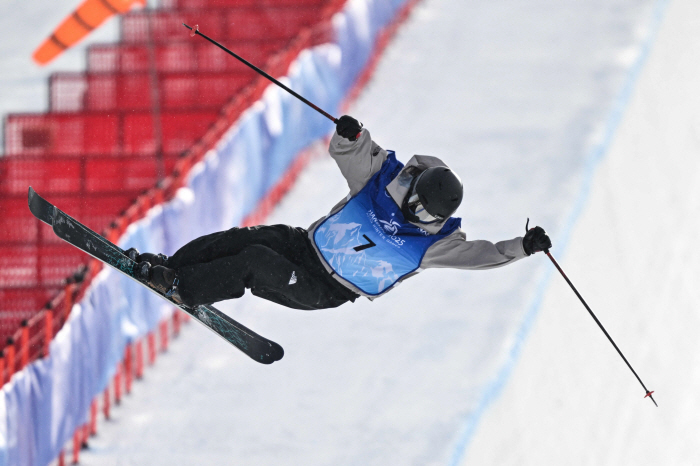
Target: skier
<point>396,221</point>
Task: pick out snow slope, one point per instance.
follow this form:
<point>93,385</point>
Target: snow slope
<point>571,400</point>
<point>511,94</point>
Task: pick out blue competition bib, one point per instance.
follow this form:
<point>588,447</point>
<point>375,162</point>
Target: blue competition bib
<point>369,243</point>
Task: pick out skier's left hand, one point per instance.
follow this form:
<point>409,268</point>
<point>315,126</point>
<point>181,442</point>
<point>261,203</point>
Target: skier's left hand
<point>536,240</point>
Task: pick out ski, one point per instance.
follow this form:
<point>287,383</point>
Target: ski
<point>258,348</point>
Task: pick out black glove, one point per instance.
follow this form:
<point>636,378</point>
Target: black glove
<point>348,127</point>
<point>535,240</point>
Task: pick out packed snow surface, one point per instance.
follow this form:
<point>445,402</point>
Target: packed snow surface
<point>520,99</point>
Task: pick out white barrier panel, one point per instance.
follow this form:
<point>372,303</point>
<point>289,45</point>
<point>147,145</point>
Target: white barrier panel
<point>43,404</point>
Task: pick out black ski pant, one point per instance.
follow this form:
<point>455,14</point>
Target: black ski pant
<point>276,262</point>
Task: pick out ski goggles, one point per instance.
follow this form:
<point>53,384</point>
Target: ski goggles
<point>417,209</point>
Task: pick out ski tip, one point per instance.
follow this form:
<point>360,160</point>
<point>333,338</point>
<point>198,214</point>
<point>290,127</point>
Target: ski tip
<point>33,197</point>
<point>39,207</point>
<point>279,353</point>
<point>276,353</point>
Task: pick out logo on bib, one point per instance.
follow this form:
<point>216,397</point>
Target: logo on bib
<point>391,227</point>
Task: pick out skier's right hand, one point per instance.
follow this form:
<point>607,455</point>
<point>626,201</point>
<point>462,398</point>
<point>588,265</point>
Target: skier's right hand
<point>348,127</point>
<point>536,240</point>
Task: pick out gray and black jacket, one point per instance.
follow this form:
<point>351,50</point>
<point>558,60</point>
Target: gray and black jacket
<point>359,160</point>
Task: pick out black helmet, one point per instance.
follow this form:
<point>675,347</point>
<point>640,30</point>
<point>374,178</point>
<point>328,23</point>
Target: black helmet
<point>434,196</point>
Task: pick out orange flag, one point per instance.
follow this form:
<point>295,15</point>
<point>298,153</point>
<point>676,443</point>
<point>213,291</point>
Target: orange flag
<point>88,16</point>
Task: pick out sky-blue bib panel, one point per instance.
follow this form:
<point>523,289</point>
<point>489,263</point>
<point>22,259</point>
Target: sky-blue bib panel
<point>369,243</point>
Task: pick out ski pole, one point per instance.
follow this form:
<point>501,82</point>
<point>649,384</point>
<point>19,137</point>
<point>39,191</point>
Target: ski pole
<point>648,393</point>
<point>195,31</point>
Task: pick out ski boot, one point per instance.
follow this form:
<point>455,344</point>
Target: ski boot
<point>153,259</point>
<point>163,279</point>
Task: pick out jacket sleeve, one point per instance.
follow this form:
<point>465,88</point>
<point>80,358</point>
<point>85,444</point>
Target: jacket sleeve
<point>358,160</point>
<point>455,251</point>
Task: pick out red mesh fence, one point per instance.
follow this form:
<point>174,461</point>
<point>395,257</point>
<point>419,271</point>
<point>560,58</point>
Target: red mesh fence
<point>135,174</point>
<point>20,304</point>
<point>28,332</point>
<point>48,174</point>
<point>17,224</point>
<point>119,92</point>
<point>178,56</point>
<point>231,23</point>
<point>199,4</point>
<point>126,132</point>
<point>61,174</point>
<point>45,266</point>
<point>62,133</point>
